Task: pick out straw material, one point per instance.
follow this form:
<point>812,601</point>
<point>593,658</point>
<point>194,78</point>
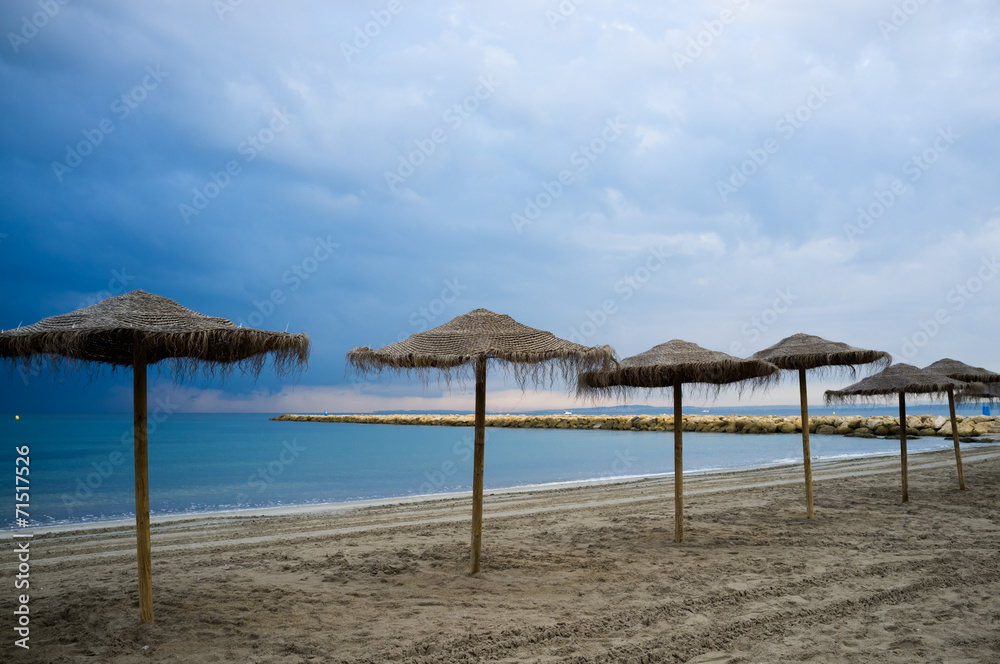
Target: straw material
<point>109,331</point>
<point>482,334</point>
<point>899,378</point>
<point>807,351</point>
<point>962,371</point>
<point>677,362</point>
<point>979,392</point>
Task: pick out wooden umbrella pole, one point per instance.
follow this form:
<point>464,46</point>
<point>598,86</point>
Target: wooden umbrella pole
<point>142,485</point>
<point>477,473</point>
<point>902,441</point>
<point>954,435</point>
<point>678,467</point>
<point>806,454</point>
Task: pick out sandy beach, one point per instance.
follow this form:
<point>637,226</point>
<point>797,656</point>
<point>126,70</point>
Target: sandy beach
<point>581,574</point>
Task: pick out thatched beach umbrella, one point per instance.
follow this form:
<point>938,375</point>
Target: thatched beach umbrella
<point>138,329</point>
<point>987,394</point>
<point>673,364</point>
<point>805,352</point>
<point>898,379</point>
<point>964,372</point>
<point>473,340</point>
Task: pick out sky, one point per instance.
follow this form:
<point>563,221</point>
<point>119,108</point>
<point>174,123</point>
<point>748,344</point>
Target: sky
<point>727,172</point>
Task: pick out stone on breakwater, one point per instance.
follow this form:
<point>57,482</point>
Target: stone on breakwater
<point>854,425</point>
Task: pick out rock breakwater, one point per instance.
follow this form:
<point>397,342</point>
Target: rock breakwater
<point>853,425</point>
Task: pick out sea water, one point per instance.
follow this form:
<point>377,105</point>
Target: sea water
<point>81,466</point>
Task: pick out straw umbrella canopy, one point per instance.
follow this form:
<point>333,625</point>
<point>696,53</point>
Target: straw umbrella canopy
<point>964,372</point>
<point>805,352</point>
<point>138,329</point>
<point>672,364</point>
<point>898,379</point>
<point>988,394</point>
<point>472,341</point>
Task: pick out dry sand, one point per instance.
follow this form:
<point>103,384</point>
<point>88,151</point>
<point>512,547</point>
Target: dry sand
<point>588,574</point>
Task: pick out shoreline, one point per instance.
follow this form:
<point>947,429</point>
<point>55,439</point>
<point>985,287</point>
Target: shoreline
<point>819,466</point>
<point>849,425</point>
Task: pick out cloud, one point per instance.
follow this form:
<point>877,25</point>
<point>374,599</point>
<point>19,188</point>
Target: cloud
<point>812,113</point>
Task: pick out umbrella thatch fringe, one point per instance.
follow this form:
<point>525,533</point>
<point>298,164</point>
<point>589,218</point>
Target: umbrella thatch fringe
<point>453,349</point>
<point>637,381</point>
<point>989,394</point>
<point>962,371</point>
<point>834,367</point>
<point>623,393</point>
<point>900,378</point>
<point>821,357</point>
<point>679,362</point>
<point>189,343</point>
<point>285,362</point>
<point>832,397</point>
<point>525,367</point>
<point>713,373</point>
<point>839,361</point>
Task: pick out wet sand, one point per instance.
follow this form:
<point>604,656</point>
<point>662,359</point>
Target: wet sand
<point>582,574</point>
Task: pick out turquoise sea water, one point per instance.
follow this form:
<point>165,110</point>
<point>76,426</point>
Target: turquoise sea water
<point>81,466</point>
